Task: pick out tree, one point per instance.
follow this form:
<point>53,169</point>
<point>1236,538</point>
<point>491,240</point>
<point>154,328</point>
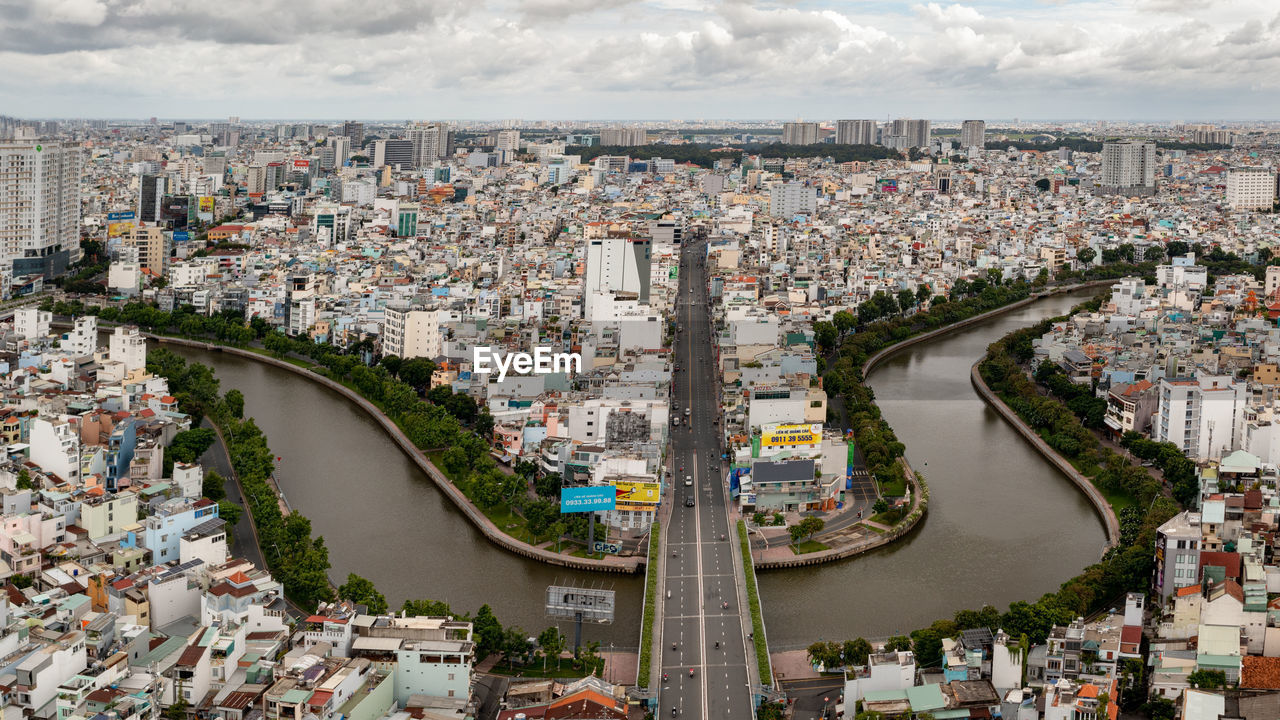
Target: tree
<point>1207,679</point>
<point>552,644</point>
<point>361,591</point>
<point>455,461</point>
<point>811,525</point>
<point>212,486</point>
<point>897,642</point>
<point>392,364</point>
<point>417,372</point>
<point>1160,708</point>
<point>825,333</point>
<point>796,532</point>
<point>189,445</point>
<point>229,512</point>
<point>233,401</point>
<point>176,711</point>
<point>487,631</point>
<point>906,300</point>
<point>856,651</point>
<point>426,608</point>
<point>539,513</point>
<point>844,321</point>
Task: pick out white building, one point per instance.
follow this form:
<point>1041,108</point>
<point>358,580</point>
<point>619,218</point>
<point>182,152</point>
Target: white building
<point>1129,168</point>
<point>33,323</point>
<point>55,446</point>
<point>1251,188</point>
<point>800,133</point>
<point>39,207</point>
<point>788,199</point>
<point>125,277</point>
<point>409,333</point>
<point>617,262</point>
<point>1202,415</point>
<point>856,132</point>
<point>129,347</point>
<point>973,133</point>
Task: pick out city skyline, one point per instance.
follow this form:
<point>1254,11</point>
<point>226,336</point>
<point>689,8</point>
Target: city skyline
<point>1153,60</point>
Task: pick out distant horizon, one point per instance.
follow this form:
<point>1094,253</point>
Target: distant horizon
<point>727,122</point>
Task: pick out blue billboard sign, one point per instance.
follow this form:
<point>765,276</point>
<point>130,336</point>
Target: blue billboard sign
<point>118,216</point>
<point>181,236</point>
<point>588,499</point>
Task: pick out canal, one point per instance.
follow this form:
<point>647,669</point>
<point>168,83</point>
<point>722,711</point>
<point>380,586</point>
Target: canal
<point>1003,525</point>
<point>382,518</point>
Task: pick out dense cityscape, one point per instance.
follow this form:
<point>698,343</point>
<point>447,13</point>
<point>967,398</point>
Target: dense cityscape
<point>857,415</point>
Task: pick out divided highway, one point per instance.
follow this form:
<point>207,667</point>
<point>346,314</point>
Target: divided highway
<point>703,606</point>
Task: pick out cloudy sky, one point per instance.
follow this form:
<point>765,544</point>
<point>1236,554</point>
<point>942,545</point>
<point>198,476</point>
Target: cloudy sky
<point>640,59</point>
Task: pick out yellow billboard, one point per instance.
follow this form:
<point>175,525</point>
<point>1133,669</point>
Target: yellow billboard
<point>116,229</point>
<point>207,203</point>
<point>638,492</point>
<point>792,435</point>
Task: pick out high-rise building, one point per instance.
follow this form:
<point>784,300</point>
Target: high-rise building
<point>255,179</point>
<point>914,133</point>
<point>430,143</point>
<point>799,133</point>
<point>39,207</point>
<point>973,133</point>
<point>396,153</point>
<point>624,137</point>
<point>1251,188</point>
<point>856,132</point>
<point>788,199</point>
<point>151,197</point>
<point>508,140</point>
<point>154,247</point>
<point>354,131</point>
<point>335,152</point>
<point>1129,168</point>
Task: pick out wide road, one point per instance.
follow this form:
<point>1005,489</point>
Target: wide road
<point>707,637</point>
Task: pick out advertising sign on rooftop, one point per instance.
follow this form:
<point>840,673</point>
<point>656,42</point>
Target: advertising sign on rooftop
<point>588,499</point>
<point>808,435</point>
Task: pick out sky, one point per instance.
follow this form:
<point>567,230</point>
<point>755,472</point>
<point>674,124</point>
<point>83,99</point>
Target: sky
<point>1177,60</point>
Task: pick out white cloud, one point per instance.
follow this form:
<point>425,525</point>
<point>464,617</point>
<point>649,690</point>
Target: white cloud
<point>614,58</point>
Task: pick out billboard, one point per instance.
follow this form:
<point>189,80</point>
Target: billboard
<point>791,435</point>
<point>118,216</point>
<point>638,492</point>
<point>208,203</point>
<point>587,499</point>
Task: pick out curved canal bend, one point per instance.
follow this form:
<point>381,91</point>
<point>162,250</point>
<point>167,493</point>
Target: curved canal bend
<point>1003,525</point>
